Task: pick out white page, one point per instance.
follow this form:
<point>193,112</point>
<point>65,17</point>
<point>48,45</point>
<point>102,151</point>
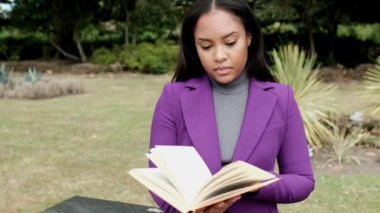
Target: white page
<point>155,181</point>
<point>234,193</point>
<point>186,168</point>
<point>160,163</point>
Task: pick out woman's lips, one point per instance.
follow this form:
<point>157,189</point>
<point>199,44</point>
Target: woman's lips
<point>222,70</point>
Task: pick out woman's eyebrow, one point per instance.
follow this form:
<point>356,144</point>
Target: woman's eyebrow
<point>228,35</point>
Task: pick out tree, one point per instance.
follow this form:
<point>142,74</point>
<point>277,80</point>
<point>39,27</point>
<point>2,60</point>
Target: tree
<point>154,19</point>
<point>318,16</point>
<point>145,20</point>
<point>61,20</point>
<point>120,11</point>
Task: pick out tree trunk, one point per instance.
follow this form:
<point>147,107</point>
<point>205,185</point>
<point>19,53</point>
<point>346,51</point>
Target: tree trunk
<point>82,55</point>
<point>134,39</point>
<point>126,30</point>
<point>126,33</point>
<point>63,52</point>
<point>126,8</point>
<point>332,35</point>
<point>312,42</point>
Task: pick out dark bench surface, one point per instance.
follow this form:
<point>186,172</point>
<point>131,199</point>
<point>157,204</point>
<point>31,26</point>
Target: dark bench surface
<point>79,204</point>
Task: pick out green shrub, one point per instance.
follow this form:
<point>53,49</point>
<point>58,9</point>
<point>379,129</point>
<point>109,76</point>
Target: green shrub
<point>363,32</point>
<point>104,56</point>
<point>129,57</point>
<point>157,58</point>
<point>151,58</point>
<point>145,57</point>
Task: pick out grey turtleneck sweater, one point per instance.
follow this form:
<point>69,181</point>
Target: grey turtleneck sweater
<point>229,103</point>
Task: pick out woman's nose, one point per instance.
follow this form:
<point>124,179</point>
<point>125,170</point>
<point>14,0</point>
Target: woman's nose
<point>220,54</point>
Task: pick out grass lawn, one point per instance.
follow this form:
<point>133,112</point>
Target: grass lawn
<point>51,150</point>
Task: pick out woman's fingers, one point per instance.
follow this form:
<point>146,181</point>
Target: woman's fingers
<point>232,200</point>
<point>200,210</point>
<point>221,206</point>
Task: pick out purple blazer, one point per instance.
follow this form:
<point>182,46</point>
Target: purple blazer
<point>272,129</point>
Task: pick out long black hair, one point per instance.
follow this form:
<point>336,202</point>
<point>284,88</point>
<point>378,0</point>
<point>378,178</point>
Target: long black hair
<point>189,65</point>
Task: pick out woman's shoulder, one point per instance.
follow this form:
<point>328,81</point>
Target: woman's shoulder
<point>283,92</point>
<point>275,88</point>
<point>175,88</point>
<point>180,86</point>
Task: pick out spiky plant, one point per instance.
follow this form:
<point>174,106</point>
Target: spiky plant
<point>343,140</point>
<point>32,75</point>
<point>4,75</point>
<point>295,67</point>
<point>372,88</point>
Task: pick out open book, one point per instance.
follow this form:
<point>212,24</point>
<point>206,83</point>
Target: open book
<point>184,181</point>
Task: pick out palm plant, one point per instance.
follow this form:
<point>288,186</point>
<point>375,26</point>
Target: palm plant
<point>343,141</point>
<point>294,67</point>
<point>372,88</point>
<point>5,77</point>
<point>32,75</point>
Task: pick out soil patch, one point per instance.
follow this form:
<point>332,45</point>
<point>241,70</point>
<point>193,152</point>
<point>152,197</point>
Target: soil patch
<point>343,74</point>
<point>369,163</point>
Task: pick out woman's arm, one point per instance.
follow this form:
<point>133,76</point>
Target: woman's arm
<point>296,174</point>
<point>163,132</point>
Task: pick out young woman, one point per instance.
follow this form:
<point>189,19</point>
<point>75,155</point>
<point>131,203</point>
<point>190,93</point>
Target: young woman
<point>225,102</point>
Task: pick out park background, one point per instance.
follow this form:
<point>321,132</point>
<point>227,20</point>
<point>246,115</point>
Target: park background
<point>79,81</point>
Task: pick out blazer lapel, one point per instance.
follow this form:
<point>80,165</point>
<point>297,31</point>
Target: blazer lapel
<point>199,115</point>
<point>260,105</point>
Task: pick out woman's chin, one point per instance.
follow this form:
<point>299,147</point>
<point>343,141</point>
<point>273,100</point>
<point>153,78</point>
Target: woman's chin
<point>224,79</point>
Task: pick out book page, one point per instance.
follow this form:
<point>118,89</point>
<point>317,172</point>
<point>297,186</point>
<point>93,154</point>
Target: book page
<point>184,168</point>
<point>234,193</point>
<point>158,183</point>
<point>233,176</point>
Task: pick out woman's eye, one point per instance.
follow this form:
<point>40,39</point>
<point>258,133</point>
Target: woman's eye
<point>205,47</point>
<point>231,43</point>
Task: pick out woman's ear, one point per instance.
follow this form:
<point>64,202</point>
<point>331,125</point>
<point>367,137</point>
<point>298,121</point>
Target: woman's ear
<point>249,38</point>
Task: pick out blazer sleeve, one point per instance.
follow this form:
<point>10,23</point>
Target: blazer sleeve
<point>163,132</point>
<point>296,174</point>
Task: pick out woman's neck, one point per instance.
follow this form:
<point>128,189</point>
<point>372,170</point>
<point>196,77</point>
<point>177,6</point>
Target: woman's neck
<point>236,86</point>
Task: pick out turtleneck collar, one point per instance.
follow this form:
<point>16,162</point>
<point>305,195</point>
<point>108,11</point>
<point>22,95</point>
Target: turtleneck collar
<point>238,85</point>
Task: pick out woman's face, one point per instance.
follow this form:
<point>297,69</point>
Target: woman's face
<point>222,45</point>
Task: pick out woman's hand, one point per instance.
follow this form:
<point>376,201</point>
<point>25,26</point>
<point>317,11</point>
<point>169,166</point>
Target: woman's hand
<point>219,207</point>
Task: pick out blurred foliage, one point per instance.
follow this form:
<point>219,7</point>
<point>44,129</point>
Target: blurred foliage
<point>372,88</point>
<point>146,57</point>
<point>74,29</point>
<point>317,17</point>
<point>104,56</point>
<point>13,41</point>
<point>102,32</point>
<point>364,32</point>
<point>295,67</point>
<point>278,27</point>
